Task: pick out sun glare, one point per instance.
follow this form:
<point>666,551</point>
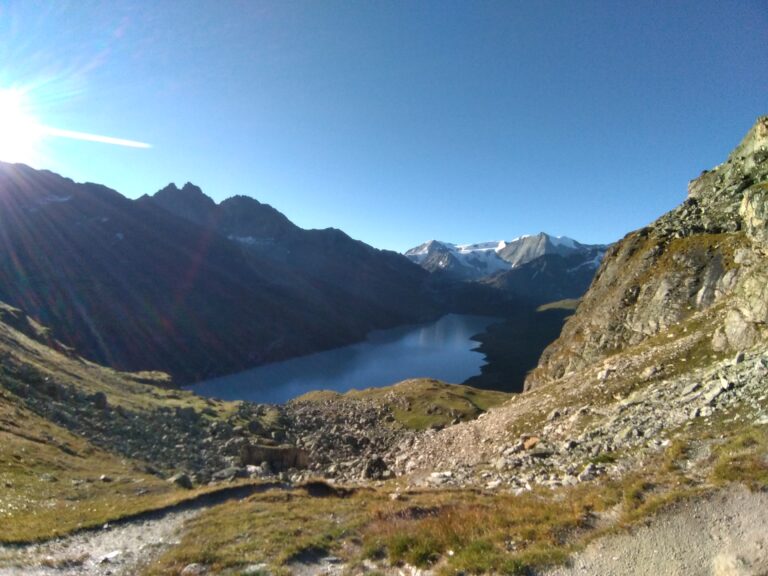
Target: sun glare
<point>20,131</point>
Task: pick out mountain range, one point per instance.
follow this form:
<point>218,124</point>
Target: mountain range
<point>177,283</point>
<point>535,269</point>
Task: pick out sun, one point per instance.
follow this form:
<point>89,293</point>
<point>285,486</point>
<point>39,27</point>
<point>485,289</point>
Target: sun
<point>20,132</point>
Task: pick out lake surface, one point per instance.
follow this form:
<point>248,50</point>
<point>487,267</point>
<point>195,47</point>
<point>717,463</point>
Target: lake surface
<point>441,349</point>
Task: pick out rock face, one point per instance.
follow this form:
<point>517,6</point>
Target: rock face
<point>707,253</point>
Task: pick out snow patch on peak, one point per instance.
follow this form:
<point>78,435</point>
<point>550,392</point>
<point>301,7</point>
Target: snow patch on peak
<point>485,259</point>
<point>481,247</point>
<point>563,241</point>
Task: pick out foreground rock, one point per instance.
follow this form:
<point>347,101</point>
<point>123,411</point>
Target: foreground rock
<point>578,442</point>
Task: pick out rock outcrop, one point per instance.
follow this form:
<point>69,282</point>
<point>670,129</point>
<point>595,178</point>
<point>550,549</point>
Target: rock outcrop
<point>708,252</point>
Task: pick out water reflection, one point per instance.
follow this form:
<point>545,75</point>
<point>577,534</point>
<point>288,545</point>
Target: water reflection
<point>442,350</point>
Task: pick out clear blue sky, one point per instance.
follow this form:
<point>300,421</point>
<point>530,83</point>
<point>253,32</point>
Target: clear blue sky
<point>399,122</point>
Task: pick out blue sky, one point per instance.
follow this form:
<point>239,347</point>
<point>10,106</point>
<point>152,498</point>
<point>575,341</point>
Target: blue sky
<point>399,122</point>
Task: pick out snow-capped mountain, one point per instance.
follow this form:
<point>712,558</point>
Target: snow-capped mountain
<point>488,259</point>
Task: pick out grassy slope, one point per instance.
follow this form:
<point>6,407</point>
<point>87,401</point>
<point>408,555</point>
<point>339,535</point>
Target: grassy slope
<point>50,480</point>
<point>49,477</point>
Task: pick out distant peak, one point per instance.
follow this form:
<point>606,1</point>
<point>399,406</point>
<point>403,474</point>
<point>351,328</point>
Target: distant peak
<point>170,188</point>
<point>189,187</point>
<point>188,191</point>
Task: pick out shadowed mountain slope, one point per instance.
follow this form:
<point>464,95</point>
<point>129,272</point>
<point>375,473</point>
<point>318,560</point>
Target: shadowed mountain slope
<point>131,285</point>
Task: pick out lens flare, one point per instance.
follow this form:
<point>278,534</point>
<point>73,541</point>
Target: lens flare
<point>50,131</point>
<point>22,133</point>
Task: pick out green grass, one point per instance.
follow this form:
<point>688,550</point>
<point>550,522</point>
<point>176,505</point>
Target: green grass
<point>480,533</point>
<point>743,457</point>
<point>456,530</point>
<point>275,527</point>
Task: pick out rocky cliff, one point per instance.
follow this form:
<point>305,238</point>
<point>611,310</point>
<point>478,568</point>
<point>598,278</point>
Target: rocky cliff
<point>701,268</point>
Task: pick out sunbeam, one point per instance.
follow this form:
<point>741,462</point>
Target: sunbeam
<point>22,132</point>
<point>50,131</point>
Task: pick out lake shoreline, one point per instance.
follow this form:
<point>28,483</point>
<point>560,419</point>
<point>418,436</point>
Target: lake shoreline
<point>445,349</point>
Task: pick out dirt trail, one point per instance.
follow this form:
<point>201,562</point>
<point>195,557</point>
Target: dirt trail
<point>120,548</point>
<point>723,535</point>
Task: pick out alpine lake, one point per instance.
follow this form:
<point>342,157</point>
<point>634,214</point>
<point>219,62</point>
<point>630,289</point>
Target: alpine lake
<point>443,349</point>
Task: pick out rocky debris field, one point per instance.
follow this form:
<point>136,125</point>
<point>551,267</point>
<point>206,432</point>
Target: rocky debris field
<point>166,438</point>
<point>577,443</point>
<point>346,439</point>
<point>193,446</point>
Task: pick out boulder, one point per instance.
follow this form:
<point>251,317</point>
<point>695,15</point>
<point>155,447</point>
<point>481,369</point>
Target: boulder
<point>375,468</point>
<point>230,474</point>
<point>194,569</point>
<point>99,400</point>
<point>531,442</point>
<point>181,480</point>
<point>278,457</point>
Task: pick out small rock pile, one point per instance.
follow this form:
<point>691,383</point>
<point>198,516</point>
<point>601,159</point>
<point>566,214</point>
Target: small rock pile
<point>347,439</point>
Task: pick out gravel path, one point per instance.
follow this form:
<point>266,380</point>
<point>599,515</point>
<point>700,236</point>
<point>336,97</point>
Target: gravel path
<point>118,550</point>
<point>723,535</point>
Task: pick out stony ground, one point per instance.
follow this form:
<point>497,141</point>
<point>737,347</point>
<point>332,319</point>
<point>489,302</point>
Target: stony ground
<point>119,550</point>
<point>577,439</point>
<point>723,535</point>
